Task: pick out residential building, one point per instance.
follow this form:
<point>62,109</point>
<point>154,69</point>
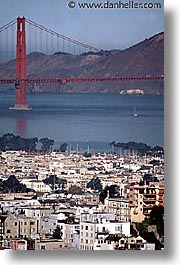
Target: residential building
<point>2,229</point>
<point>20,227</point>
<point>119,206</point>
<point>97,225</point>
<point>142,198</point>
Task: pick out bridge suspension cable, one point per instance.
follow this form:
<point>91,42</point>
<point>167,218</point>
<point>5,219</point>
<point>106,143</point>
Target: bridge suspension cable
<point>63,37</point>
<point>8,25</point>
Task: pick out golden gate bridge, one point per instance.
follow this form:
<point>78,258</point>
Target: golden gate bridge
<point>21,80</point>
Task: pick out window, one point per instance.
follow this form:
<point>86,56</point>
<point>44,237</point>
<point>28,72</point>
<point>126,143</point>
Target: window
<point>43,247</point>
<point>86,227</point>
<point>8,231</point>
<point>15,223</point>
<point>139,241</point>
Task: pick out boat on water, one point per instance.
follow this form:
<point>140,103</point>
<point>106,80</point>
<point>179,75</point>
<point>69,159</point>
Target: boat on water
<point>135,113</point>
<point>132,92</point>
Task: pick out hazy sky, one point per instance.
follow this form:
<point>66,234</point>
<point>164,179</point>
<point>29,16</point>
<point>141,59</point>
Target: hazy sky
<point>103,28</point>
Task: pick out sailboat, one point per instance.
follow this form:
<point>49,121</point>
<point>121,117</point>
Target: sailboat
<point>135,113</point>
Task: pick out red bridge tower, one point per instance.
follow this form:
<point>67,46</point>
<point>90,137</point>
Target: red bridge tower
<point>21,84</point>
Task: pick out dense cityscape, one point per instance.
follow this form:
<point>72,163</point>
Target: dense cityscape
<point>64,199</point>
<point>82,130</point>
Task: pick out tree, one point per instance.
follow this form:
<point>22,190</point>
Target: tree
<point>148,236</point>
<point>63,147</point>
<point>157,218</point>
<point>74,189</point>
<point>95,184</point>
<point>32,143</point>
<point>46,144</point>
<point>57,233</point>
<point>53,179</point>
<point>11,142</point>
<point>87,155</point>
<point>13,185</point>
<point>113,192</point>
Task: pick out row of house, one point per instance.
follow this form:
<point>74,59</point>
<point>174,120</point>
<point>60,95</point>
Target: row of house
<point>93,231</point>
<point>84,222</point>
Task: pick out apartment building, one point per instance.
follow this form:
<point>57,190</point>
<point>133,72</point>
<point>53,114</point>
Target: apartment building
<point>20,227</point>
<point>119,206</point>
<point>143,197</point>
<point>72,235</point>
<point>2,228</point>
<point>96,226</point>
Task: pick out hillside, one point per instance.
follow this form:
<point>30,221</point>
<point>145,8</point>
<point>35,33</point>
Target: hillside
<point>144,58</point>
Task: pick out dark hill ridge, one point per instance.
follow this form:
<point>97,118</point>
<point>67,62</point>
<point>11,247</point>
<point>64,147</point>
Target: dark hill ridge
<point>144,58</point>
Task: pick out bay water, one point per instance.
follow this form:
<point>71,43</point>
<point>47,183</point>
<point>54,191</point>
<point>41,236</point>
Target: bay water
<point>86,121</point>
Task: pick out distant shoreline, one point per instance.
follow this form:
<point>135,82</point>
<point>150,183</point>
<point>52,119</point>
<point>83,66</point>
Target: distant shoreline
<point>7,89</point>
<point>11,142</point>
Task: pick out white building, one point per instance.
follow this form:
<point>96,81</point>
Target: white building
<point>72,235</point>
<point>96,226</point>
<point>36,185</point>
<point>48,224</point>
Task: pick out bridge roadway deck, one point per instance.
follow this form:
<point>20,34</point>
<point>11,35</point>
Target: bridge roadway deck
<point>64,80</point>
